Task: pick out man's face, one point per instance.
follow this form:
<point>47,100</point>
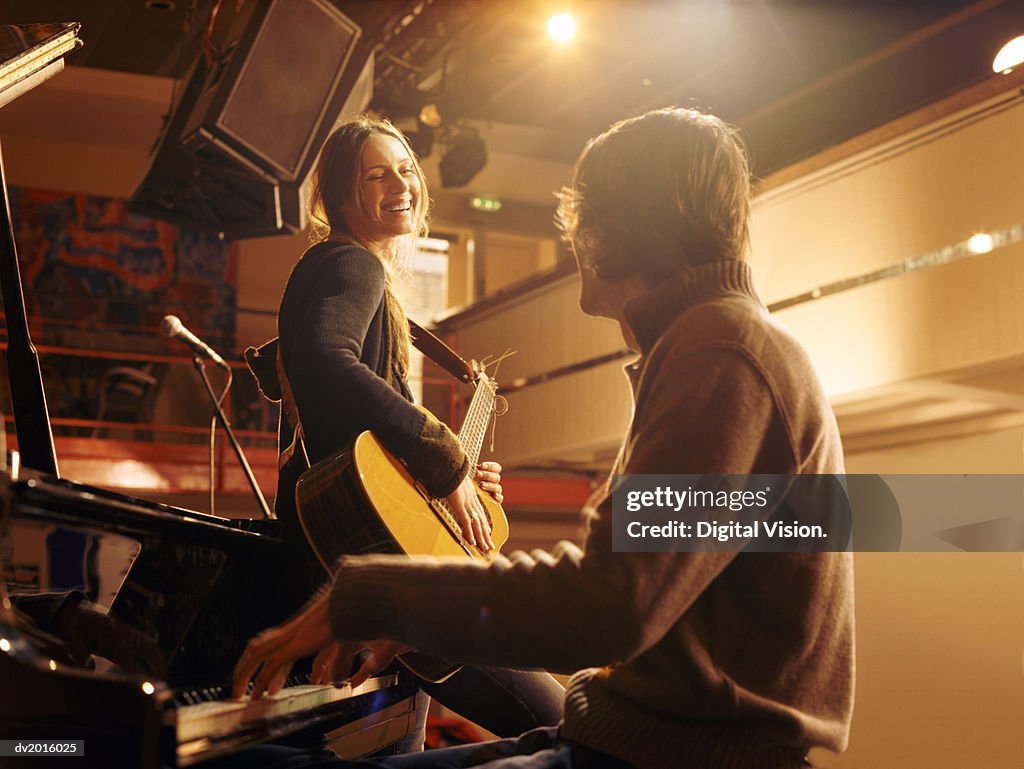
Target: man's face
<point>598,297</point>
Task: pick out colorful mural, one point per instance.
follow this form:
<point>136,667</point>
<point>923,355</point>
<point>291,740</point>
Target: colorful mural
<point>87,258</point>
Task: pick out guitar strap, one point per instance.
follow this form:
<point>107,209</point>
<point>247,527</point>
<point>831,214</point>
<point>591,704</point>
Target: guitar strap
<point>443,355</point>
<point>291,413</point>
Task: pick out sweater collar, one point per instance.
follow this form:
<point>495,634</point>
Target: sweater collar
<point>650,315</point>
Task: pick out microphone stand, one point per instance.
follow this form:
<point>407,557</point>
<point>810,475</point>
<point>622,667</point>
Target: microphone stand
<point>264,507</point>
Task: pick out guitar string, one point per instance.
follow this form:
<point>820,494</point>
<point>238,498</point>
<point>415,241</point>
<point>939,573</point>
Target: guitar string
<point>475,426</point>
<point>494,413</point>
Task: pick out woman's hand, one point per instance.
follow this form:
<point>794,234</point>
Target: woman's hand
<point>469,514</point>
<point>488,475</point>
<point>270,655</point>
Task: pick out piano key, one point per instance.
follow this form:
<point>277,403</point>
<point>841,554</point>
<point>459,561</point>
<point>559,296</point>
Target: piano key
<point>227,716</point>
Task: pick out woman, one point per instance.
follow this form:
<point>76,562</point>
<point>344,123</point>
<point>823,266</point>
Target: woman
<point>344,351</point>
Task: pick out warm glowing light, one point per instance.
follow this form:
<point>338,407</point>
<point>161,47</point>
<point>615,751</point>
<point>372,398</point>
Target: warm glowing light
<point>981,243</point>
<point>148,688</point>
<point>1009,56</point>
<point>440,245</point>
<point>53,665</point>
<point>562,27</point>
<point>5,645</point>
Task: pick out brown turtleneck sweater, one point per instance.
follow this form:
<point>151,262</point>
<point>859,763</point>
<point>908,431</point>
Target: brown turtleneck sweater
<point>713,660</point>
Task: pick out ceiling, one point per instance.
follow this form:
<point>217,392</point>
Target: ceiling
<point>795,76</point>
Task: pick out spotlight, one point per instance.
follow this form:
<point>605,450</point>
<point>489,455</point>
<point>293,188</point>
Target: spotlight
<point>466,155</point>
<point>1009,56</point>
<point>428,122</point>
<point>562,27</point>
<point>430,115</point>
<point>981,243</point>
<point>421,140</point>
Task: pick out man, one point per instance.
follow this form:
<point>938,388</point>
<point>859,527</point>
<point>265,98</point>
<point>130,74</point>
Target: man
<point>703,659</point>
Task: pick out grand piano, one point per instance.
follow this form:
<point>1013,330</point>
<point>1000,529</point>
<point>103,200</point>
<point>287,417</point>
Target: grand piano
<point>193,589</point>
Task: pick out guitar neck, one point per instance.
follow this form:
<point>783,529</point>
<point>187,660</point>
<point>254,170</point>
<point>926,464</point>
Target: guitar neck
<point>474,427</point>
<point>471,436</point>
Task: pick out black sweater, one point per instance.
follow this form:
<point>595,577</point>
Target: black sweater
<point>336,351</point>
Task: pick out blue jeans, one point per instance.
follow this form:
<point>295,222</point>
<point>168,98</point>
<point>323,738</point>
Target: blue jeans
<point>538,749</point>
<point>503,701</point>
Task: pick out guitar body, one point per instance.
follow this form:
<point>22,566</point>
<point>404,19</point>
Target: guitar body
<point>363,500</point>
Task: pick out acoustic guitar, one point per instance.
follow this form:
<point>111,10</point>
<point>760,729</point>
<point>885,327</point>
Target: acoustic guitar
<point>363,500</point>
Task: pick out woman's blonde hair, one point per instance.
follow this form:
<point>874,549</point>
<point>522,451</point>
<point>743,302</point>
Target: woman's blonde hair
<point>659,191</point>
<point>336,182</point>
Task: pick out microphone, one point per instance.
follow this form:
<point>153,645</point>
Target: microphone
<point>171,326</point>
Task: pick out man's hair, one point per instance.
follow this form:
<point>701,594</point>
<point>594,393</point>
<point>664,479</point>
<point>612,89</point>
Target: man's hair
<point>659,191</point>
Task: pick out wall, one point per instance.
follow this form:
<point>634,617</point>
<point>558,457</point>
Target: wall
<point>927,189</point>
<point>939,635</point>
<point>510,258</point>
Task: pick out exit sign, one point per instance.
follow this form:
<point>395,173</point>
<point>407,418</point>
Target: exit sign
<point>484,203</point>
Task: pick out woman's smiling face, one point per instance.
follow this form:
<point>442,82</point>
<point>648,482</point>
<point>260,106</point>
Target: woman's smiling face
<point>387,194</point>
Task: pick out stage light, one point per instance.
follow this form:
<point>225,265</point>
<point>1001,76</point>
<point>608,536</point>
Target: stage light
<point>561,27</point>
<point>429,121</point>
<point>421,141</point>
<point>430,115</point>
<point>464,158</point>
<point>1009,56</point>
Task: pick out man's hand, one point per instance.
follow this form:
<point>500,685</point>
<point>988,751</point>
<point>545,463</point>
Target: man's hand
<point>334,662</point>
<point>270,655</point>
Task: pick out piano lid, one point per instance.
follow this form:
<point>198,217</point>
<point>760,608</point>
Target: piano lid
<point>29,54</point>
<point>32,53</point>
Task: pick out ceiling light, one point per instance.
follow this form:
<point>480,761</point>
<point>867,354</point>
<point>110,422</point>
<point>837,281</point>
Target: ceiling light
<point>1009,56</point>
<point>430,115</point>
<point>981,243</point>
<point>561,27</point>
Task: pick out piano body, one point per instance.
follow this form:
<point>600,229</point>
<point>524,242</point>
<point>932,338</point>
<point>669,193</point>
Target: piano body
<point>198,587</point>
<point>194,587</point>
